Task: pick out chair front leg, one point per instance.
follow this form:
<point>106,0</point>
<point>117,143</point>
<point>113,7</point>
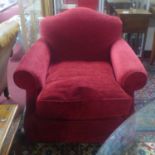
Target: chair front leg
<point>6,93</point>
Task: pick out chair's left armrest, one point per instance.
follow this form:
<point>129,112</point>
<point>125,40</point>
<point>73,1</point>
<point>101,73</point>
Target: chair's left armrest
<point>128,69</point>
<point>32,70</point>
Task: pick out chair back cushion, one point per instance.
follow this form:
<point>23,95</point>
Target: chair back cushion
<point>80,34</point>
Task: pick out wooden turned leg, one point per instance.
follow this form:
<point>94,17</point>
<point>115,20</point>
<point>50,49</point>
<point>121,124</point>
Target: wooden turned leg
<point>6,93</point>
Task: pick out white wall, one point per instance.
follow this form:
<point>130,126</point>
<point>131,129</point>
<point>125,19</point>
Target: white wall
<point>150,34</point>
<point>151,29</point>
<point>149,39</point>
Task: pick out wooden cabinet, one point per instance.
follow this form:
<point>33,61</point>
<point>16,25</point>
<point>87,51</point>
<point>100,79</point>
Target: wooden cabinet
<point>111,5</point>
<point>135,21</point>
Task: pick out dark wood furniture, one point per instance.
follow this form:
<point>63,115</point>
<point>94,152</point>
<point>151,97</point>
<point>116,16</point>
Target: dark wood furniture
<point>135,21</point>
<point>111,5</point>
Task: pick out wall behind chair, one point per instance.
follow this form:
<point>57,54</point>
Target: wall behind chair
<point>150,33</point>
<point>151,30</point>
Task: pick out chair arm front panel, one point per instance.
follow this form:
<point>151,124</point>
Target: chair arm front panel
<point>32,70</point>
<point>128,69</point>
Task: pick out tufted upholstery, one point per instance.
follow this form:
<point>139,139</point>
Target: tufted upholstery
<point>80,78</point>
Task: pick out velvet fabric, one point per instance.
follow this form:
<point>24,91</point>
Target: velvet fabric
<point>82,91</point>
<point>80,78</point>
<point>80,34</point>
<point>129,76</point>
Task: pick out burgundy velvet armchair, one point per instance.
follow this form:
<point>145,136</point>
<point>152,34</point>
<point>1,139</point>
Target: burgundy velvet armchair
<point>80,78</point>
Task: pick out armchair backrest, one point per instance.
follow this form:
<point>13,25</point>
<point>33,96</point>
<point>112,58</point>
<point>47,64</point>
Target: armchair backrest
<point>80,34</point>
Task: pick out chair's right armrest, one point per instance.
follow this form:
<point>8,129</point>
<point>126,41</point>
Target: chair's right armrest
<point>32,70</point>
<point>128,69</point>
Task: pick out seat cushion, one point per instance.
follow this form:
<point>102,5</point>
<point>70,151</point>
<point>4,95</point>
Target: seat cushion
<point>81,91</point>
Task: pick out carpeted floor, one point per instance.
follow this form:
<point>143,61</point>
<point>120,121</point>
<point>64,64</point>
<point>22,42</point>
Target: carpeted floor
<point>147,94</point>
<point>21,147</point>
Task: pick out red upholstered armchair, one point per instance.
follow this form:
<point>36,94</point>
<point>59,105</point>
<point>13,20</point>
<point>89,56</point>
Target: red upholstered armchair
<point>80,78</point>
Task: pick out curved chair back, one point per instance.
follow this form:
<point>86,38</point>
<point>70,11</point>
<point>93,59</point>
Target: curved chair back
<point>80,34</point>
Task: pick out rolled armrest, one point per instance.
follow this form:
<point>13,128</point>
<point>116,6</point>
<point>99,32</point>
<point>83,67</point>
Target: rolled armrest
<point>129,71</point>
<point>32,70</point>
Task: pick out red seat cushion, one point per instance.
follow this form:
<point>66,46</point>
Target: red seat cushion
<point>82,91</point>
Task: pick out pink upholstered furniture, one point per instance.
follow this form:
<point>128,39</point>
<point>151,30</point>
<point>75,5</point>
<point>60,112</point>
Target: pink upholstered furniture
<point>80,78</point>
